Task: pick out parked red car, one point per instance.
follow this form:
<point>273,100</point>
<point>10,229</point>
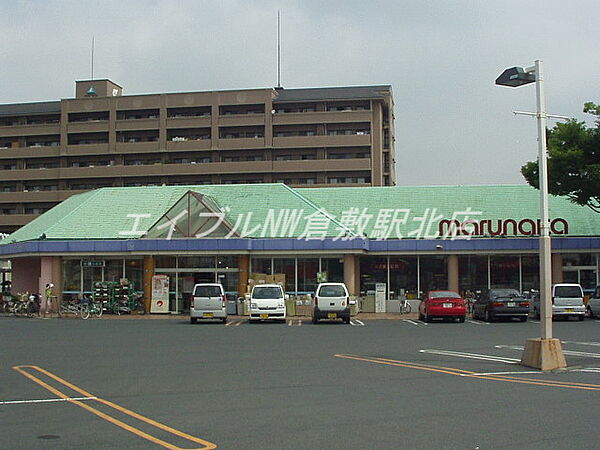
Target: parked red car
<point>443,304</point>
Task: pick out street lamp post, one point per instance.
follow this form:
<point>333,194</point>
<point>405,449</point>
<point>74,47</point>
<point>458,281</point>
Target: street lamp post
<point>544,353</point>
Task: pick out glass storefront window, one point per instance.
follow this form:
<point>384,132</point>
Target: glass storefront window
<point>473,273</point>
<point>434,274</point>
<point>530,272</point>
<point>133,272</point>
<point>71,276</point>
<point>403,277</point>
<point>227,261</point>
<point>261,265</point>
<point>334,268</point>
<point>229,280</point>
<point>307,275</point>
<point>113,271</point>
<point>288,268</point>
<point>579,259</point>
<point>165,262</point>
<point>373,269</point>
<point>197,262</point>
<point>504,272</point>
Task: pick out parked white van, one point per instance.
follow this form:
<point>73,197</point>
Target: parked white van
<point>567,301</point>
<point>208,301</point>
<point>331,301</point>
<point>267,301</point>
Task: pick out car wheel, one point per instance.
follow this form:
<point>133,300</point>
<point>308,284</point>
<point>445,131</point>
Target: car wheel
<point>581,317</point>
<point>427,318</point>
<point>590,312</point>
<point>536,314</point>
<point>421,317</point>
<point>224,319</point>
<point>523,319</point>
<point>347,320</point>
<point>193,320</point>
<point>461,319</point>
<point>488,316</point>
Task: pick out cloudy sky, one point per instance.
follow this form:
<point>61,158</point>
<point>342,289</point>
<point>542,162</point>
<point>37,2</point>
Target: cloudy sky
<point>453,126</point>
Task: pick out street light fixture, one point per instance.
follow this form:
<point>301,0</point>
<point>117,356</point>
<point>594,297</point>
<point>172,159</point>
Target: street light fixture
<point>544,353</point>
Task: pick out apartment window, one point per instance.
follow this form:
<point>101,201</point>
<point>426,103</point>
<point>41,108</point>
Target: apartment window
<point>131,137</point>
<point>36,210</point>
<point>37,164</point>
<point>88,138</point>
<point>9,211</point>
<point>188,134</point>
<point>95,116</point>
<point>241,132</point>
<point>9,166</point>
<point>42,141</point>
<point>225,110</point>
<point>349,180</point>
<point>307,181</point>
<point>8,188</point>
<point>137,114</point>
<point>194,111</point>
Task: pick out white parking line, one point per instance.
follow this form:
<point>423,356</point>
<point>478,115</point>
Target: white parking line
<point>566,352</point>
<point>239,323</point>
<point>414,322</point>
<point>477,322</point>
<point>289,323</point>
<point>534,321</point>
<point>595,344</point>
<point>47,400</point>
<point>356,323</point>
<point>299,323</point>
<point>472,356</point>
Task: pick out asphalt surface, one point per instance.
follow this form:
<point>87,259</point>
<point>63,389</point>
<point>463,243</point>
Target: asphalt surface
<point>384,384</point>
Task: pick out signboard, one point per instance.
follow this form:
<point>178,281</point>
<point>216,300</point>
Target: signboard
<point>93,263</point>
<point>380,294</point>
<point>160,294</point>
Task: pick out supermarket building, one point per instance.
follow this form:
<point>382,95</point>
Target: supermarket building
<point>410,239</point>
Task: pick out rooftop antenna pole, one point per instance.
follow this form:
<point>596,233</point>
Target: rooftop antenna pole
<point>92,71</point>
<point>278,49</point>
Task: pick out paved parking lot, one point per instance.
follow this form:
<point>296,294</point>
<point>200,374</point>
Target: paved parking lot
<point>373,384</point>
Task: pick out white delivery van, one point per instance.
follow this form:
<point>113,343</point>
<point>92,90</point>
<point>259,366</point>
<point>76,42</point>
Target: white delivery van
<point>331,301</point>
<point>208,301</point>
<point>567,301</point>
<point>267,301</point>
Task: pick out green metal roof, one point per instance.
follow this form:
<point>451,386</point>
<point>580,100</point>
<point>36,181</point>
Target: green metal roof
<point>111,213</point>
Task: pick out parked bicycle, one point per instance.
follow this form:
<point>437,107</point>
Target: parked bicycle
<point>90,307</point>
<point>74,307</point>
<point>405,307</point>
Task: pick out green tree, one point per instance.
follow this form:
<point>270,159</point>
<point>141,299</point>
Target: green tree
<point>573,161</point>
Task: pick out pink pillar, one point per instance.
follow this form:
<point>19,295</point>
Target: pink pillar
<point>45,273</point>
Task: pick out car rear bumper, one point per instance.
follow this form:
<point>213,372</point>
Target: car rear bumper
<point>509,312</point>
<point>568,310</point>
<point>438,311</point>
<point>324,314</point>
<point>208,313</point>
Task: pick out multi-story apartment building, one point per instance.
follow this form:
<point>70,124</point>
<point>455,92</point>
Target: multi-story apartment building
<point>318,137</point>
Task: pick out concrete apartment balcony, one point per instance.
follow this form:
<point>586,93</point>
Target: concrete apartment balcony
<point>325,185</point>
<point>136,124</point>
<point>36,196</point>
<point>197,144</point>
<point>16,220</point>
<point>218,168</point>
<point>322,117</point>
<point>88,127</point>
<point>29,174</point>
<point>322,141</point>
<point>241,143</point>
<point>29,152</point>
<point>232,120</point>
<point>87,149</point>
<point>188,122</point>
<point>320,165</point>
<point>30,130</point>
<point>137,147</point>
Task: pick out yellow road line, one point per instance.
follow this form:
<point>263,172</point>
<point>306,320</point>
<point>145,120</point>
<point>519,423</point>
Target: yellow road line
<point>136,431</point>
<point>469,374</point>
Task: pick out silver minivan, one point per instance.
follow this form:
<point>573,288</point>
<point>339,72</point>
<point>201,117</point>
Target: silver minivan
<point>208,301</point>
<point>267,301</point>
<point>567,301</point>
<point>331,301</point>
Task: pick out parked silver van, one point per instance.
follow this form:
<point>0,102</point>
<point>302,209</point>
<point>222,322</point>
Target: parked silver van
<point>567,301</point>
<point>208,301</point>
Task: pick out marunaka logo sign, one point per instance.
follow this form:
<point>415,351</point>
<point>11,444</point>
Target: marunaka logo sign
<point>499,227</point>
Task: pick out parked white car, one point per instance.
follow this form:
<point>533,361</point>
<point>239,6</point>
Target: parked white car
<point>567,301</point>
<point>331,301</point>
<point>267,301</point>
<point>208,301</point>
<point>593,305</point>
